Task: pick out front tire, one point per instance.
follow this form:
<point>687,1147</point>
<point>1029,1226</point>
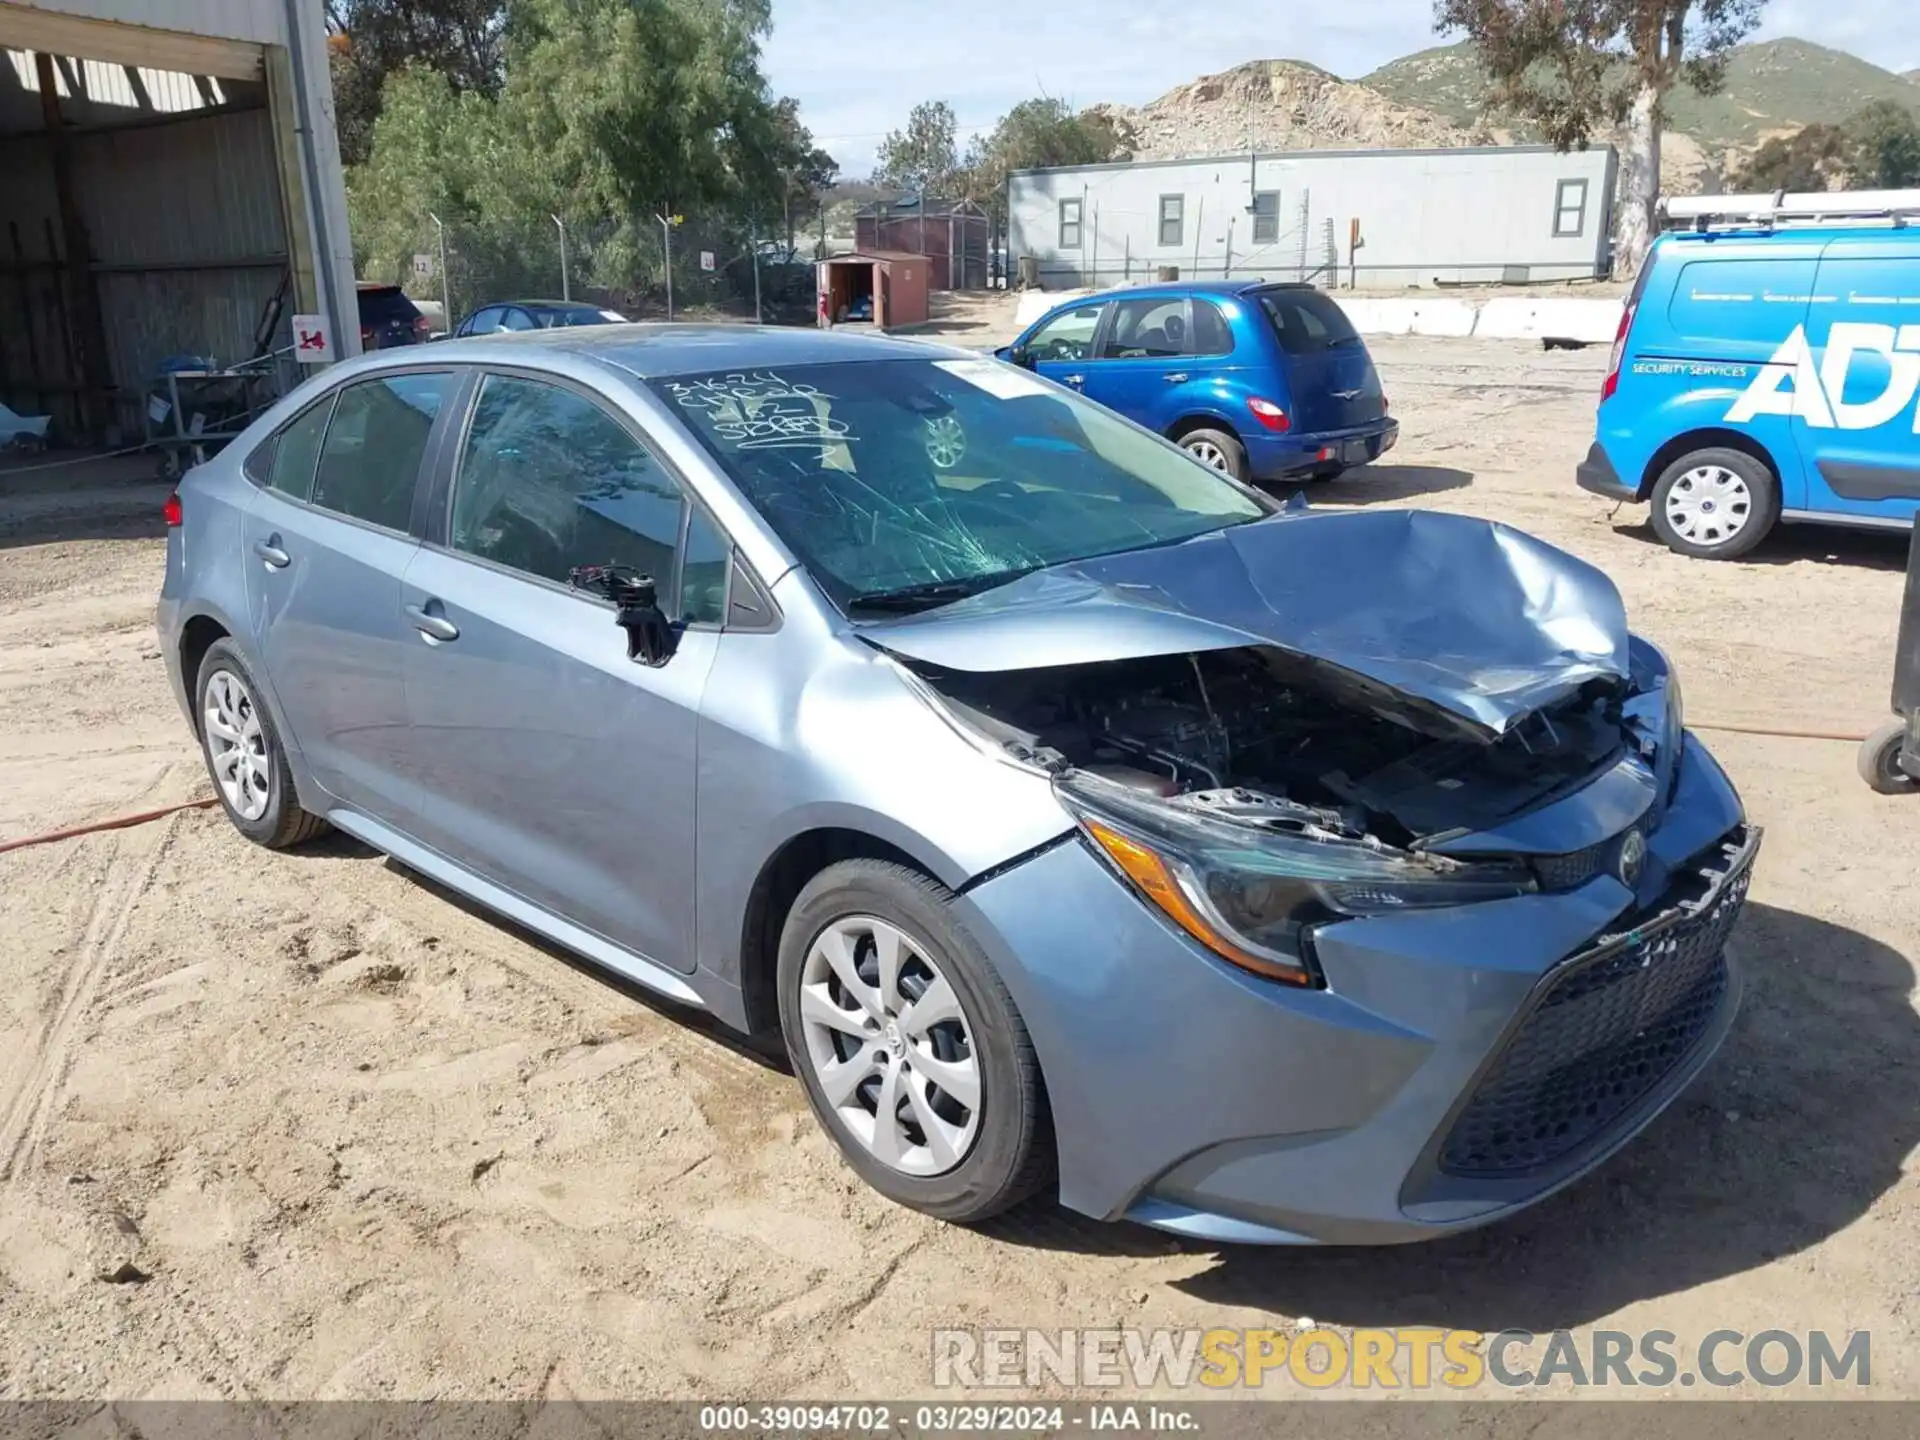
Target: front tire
<point>1715,504</point>
<point>1217,450</point>
<point>910,1049</point>
<point>244,755</point>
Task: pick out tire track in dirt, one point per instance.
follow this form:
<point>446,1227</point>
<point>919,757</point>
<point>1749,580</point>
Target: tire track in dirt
<point>33,1082</point>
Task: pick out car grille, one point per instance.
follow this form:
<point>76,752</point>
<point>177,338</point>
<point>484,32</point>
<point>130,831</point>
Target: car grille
<point>1608,1027</point>
<point>1566,872</point>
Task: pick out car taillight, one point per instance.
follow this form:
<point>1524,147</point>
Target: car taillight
<point>366,337</point>
<point>1269,414</point>
<point>422,326</point>
<point>1612,382</point>
<point>171,511</point>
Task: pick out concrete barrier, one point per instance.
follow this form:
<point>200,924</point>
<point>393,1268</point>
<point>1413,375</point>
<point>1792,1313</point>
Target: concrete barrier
<point>1545,318</point>
<point>1395,316</point>
<point>1440,317</point>
<point>1035,303</point>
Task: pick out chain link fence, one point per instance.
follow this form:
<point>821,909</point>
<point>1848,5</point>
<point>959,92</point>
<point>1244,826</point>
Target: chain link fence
<point>685,266</point>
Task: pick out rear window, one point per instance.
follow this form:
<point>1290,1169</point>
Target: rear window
<point>1306,321</point>
<point>379,307</point>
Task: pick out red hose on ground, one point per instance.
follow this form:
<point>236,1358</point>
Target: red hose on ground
<point>119,822</point>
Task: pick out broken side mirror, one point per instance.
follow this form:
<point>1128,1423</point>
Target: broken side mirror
<point>651,637</point>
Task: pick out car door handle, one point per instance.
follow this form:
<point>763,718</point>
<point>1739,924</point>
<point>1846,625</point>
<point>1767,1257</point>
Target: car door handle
<point>434,627</point>
<point>1073,379</point>
<point>1178,377</point>
<point>270,551</point>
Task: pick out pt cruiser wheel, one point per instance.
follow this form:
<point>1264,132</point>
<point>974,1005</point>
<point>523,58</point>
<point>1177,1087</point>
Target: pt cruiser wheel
<point>912,1054</point>
<point>1714,504</point>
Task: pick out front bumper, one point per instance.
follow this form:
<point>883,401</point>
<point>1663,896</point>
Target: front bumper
<point>1596,473</point>
<point>1274,457</point>
<point>1191,1095</point>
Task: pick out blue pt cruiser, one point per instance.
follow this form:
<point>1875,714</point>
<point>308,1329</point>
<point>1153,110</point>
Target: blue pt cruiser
<point>1077,815</point>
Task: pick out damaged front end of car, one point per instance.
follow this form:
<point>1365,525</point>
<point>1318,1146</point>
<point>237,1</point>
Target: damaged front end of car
<point>1317,721</point>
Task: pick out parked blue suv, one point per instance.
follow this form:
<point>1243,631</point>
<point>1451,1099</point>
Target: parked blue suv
<point>1766,372</point>
<point>1262,381</point>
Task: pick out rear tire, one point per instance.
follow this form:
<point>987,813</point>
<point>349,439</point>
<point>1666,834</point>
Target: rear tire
<point>1715,504</point>
<point>969,1161</point>
<point>1879,759</point>
<point>1217,450</point>
<point>244,756</point>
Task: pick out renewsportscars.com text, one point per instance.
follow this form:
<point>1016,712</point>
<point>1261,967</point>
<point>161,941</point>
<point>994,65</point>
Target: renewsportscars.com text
<point>1404,1358</point>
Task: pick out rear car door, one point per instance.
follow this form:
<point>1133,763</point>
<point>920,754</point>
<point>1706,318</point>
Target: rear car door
<point>1062,345</point>
<point>328,537</point>
<point>1328,374</point>
<point>555,766</point>
<point>1856,428</point>
<point>1143,354</point>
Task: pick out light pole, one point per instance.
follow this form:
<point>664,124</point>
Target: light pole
<point>667,222</point>
<point>561,226</point>
<point>446,295</point>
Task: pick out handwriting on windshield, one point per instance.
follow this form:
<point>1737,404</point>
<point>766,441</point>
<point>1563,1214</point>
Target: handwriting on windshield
<point>762,410</point>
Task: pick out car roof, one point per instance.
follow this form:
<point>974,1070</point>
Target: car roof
<point>650,350</point>
<point>539,305</point>
<point>1172,288</point>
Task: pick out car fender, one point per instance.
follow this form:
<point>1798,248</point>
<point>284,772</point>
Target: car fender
<point>1636,440</point>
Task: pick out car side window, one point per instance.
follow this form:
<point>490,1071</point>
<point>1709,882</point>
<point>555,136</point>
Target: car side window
<point>514,318</point>
<point>1067,336</point>
<point>1154,328</point>
<point>287,465</point>
<point>1210,334</point>
<point>705,563</point>
<point>483,322</point>
<point>549,481</point>
<point>370,460</point>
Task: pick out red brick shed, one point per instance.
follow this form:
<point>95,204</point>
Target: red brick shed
<point>884,288</point>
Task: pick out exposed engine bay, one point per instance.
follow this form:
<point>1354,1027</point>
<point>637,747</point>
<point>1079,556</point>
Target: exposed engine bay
<point>1252,735</point>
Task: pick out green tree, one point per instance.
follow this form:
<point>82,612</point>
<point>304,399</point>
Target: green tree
<point>1577,67</point>
<point>1815,158</point>
<point>371,39</point>
<point>1036,133</point>
<point>1884,146</point>
<point>923,156</point>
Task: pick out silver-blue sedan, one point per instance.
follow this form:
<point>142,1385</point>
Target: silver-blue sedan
<point>1077,815</point>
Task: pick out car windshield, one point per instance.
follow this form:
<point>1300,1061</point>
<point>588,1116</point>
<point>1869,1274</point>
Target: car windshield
<point>907,484</point>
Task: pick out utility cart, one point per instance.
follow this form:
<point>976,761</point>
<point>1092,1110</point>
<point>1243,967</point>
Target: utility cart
<point>194,407</point>
<point>1890,756</point>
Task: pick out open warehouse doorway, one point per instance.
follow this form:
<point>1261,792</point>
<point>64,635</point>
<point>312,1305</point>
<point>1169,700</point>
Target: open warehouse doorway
<point>170,198</point>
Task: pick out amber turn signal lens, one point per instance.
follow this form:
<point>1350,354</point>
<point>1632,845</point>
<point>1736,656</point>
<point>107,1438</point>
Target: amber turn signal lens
<point>1150,875</point>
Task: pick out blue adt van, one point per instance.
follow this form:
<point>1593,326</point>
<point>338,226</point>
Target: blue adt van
<point>1766,370</point>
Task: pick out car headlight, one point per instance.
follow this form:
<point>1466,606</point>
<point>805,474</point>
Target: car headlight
<point>1250,893</point>
<point>1657,709</point>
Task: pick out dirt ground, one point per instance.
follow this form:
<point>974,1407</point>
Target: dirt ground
<point>337,1135</point>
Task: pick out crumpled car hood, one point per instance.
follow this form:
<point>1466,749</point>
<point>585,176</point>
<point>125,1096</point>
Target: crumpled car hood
<point>1479,624</point>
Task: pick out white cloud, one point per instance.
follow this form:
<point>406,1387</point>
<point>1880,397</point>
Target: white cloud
<point>857,71</point>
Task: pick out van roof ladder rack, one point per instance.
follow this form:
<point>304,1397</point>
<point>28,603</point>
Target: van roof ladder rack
<point>1838,207</point>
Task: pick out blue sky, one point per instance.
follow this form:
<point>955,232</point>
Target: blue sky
<point>857,70</point>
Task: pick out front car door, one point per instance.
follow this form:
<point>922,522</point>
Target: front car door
<point>555,766</point>
<point>328,537</point>
<point>1061,346</point>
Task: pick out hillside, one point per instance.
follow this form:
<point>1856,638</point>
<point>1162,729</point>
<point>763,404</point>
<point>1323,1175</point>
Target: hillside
<point>1772,86</point>
<point>1281,105</point>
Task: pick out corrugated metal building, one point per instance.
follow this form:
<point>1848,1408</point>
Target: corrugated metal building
<point>168,171</point>
<point>1423,217</point>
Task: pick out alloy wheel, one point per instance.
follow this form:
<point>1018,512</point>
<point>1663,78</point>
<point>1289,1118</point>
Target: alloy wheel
<point>1209,454</point>
<point>1709,505</point>
<point>236,745</point>
<point>890,1045</point>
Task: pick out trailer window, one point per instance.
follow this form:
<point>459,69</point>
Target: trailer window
<point>1569,209</point>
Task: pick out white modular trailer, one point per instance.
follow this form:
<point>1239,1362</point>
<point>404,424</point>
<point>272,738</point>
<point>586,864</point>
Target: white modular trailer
<point>1480,215</point>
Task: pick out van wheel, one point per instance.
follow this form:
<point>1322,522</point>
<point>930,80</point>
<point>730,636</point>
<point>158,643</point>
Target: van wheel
<point>912,1054</point>
<point>1879,759</point>
<point>1217,450</point>
<point>1715,504</point>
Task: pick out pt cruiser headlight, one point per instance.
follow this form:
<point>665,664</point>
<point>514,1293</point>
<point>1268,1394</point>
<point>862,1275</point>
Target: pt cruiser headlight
<point>1250,891</point>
